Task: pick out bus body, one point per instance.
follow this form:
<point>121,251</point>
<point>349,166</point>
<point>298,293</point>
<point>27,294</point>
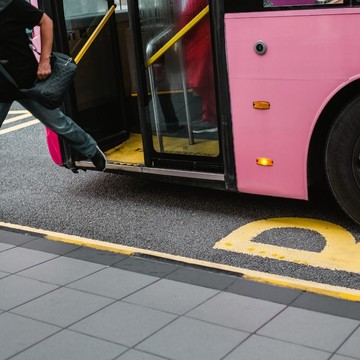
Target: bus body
<point>283,76</point>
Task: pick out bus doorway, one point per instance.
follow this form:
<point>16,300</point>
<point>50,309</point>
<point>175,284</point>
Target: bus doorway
<point>145,88</point>
<point>175,64</point>
<point>97,101</point>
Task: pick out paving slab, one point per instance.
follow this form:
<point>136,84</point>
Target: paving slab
<point>351,347</point>
<point>123,323</point>
<point>63,306</point>
<point>186,339</point>
<point>62,270</point>
<point>171,296</point>
<point>114,283</point>
<point>309,328</point>
<point>17,259</point>
<point>17,290</point>
<point>18,333</point>
<point>236,311</point>
<point>71,345</point>
<point>261,348</point>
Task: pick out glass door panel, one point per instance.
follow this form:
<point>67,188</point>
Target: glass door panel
<point>180,78</point>
<point>98,83</point>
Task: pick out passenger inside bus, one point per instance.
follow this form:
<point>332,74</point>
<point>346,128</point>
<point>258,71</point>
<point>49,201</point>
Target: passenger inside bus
<point>167,107</point>
<point>198,62</point>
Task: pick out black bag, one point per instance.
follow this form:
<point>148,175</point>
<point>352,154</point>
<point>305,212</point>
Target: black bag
<point>51,92</point>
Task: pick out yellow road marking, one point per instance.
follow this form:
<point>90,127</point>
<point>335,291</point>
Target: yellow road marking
<point>20,126</point>
<point>18,111</point>
<point>340,253</point>
<point>311,286</point>
<point>16,118</point>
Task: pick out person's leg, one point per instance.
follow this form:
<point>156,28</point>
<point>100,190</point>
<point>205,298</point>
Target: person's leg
<point>62,125</point>
<point>4,110</point>
<point>68,130</point>
<point>165,100</point>
<point>171,120</point>
<point>207,95</point>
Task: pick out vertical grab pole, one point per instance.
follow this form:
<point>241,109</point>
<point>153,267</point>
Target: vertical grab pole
<point>156,108</point>
<point>186,98</point>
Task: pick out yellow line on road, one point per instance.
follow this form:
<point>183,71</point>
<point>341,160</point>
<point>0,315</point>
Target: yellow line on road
<point>284,281</point>
<point>16,118</point>
<point>20,126</point>
<point>18,111</point>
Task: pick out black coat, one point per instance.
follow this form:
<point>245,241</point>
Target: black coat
<point>4,4</point>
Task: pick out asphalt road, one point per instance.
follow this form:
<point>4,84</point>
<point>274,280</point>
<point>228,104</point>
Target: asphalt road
<point>172,219</point>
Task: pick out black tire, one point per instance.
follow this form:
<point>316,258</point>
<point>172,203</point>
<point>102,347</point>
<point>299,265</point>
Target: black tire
<point>342,159</point>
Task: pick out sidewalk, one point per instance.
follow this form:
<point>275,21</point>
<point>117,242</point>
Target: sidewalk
<point>62,301</point>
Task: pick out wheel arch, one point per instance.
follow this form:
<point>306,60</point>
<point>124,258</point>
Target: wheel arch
<point>316,153</point>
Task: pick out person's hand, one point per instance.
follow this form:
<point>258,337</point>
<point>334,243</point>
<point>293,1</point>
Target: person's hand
<point>44,70</point>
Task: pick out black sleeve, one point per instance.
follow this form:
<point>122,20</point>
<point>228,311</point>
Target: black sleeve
<point>26,13</point>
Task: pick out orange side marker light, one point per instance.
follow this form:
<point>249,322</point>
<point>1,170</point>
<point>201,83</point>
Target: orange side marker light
<point>264,161</point>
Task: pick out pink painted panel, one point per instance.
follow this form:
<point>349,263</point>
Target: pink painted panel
<point>54,146</point>
<point>51,138</point>
<point>310,53</point>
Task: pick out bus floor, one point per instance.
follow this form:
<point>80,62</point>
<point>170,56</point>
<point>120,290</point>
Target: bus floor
<point>131,152</point>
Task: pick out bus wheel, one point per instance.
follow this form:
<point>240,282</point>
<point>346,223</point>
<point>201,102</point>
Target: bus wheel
<point>342,159</point>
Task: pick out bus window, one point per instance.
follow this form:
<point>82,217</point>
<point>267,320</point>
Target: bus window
<point>75,9</point>
<point>121,5</point>
<point>275,3</point>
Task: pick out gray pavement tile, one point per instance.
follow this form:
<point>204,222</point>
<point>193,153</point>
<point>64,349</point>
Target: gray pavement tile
<point>3,274</point>
<point>204,278</point>
<point>50,246</point>
<point>341,357</point>
<point>123,323</point>
<point>328,305</point>
<point>18,259</point>
<point>17,333</point>
<point>352,346</point>
<point>186,339</point>
<point>4,247</point>
<point>309,328</point>
<point>14,238</point>
<point>138,355</point>
<point>63,306</point>
<point>262,348</point>
<point>16,290</point>
<point>171,296</point>
<point>236,311</point>
<point>114,283</point>
<point>278,294</point>
<point>62,270</point>
<point>67,345</point>
<point>146,266</point>
<point>98,256</point>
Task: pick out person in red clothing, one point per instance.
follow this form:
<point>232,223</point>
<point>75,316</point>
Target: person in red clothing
<point>198,61</point>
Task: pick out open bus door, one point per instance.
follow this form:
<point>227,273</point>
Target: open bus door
<point>97,101</point>
<point>177,86</point>
<point>138,91</point>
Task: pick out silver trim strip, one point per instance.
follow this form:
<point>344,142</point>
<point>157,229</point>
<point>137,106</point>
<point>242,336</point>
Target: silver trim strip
<point>156,171</point>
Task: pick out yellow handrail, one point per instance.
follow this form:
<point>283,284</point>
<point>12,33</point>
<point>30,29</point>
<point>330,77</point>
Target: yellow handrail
<point>94,34</point>
<point>177,36</point>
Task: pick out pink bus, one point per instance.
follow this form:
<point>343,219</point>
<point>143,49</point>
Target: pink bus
<point>251,96</point>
